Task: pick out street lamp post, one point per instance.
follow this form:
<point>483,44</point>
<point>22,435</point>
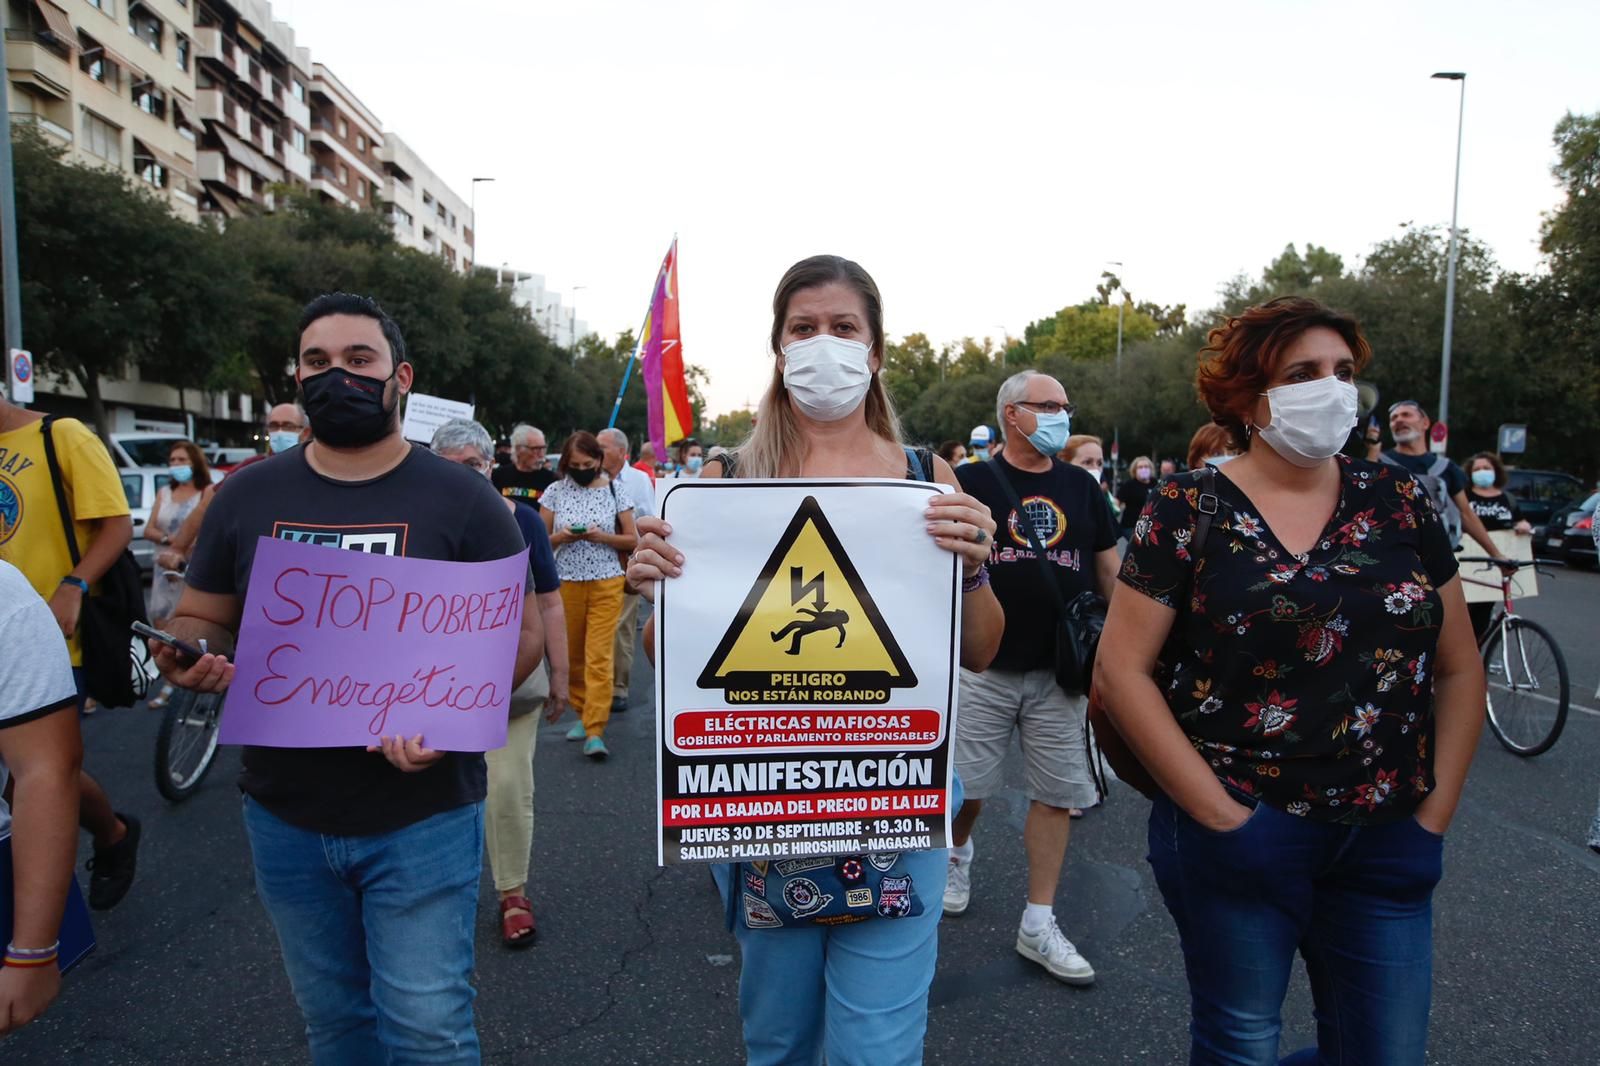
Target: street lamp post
<point>1455,253</point>
<point>1116,432</point>
<point>572,334</point>
<point>474,213</point>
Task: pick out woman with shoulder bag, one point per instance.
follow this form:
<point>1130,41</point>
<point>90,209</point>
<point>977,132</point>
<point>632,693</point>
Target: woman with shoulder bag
<point>1324,699</point>
<point>858,992</point>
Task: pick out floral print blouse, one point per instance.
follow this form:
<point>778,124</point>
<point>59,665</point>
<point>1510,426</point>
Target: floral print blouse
<point>1305,680</point>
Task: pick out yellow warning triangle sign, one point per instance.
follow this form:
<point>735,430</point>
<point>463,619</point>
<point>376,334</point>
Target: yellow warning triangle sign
<point>808,630</point>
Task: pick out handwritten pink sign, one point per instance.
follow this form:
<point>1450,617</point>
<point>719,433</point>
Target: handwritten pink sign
<point>338,648</point>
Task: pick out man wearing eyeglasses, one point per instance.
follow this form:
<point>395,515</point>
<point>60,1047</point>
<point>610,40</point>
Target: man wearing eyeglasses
<point>1441,480</point>
<point>1063,507</point>
<point>527,477</point>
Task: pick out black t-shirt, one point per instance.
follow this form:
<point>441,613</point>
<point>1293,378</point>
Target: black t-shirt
<point>1455,479</point>
<point>1132,494</point>
<point>524,486</point>
<point>1072,522</point>
<point>1495,512</point>
<point>1305,681</point>
<point>425,508</point>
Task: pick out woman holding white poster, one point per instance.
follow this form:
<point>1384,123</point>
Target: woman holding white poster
<point>857,992</point>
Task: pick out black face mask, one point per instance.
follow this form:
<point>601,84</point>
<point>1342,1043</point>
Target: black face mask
<point>347,410</point>
<point>584,477</point>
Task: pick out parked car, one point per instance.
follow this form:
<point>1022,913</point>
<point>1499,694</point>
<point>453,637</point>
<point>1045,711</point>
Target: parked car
<point>133,450</point>
<point>140,485</point>
<point>223,460</point>
<point>1575,541</point>
<point>1540,493</point>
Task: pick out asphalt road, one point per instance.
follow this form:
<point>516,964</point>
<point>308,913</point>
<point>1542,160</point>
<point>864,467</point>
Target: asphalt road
<point>634,966</point>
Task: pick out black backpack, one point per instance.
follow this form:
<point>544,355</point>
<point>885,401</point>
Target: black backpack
<point>111,674</point>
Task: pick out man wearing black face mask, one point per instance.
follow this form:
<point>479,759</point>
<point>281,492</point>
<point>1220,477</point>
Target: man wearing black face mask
<point>366,861</point>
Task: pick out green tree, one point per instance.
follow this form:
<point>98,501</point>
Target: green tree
<point>99,267</point>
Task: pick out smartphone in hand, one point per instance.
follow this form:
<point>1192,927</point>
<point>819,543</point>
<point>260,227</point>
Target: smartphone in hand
<point>189,651</point>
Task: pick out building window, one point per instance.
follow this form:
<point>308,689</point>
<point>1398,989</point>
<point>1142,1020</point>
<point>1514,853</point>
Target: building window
<point>299,90</point>
<point>153,173</point>
<point>148,98</point>
<point>183,53</point>
<point>427,198</point>
<point>344,174</point>
<point>145,26</point>
<point>361,188</point>
<point>452,222</point>
<point>401,218</point>
<point>101,138</point>
<point>300,142</point>
<point>108,6</point>
<point>101,69</point>
<point>344,130</point>
<point>361,142</point>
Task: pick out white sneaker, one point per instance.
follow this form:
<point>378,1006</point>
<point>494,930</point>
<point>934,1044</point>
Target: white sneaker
<point>1056,954</point>
<point>957,886</point>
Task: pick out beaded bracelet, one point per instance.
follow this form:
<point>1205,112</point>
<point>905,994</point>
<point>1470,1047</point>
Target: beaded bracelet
<point>976,581</point>
<point>29,957</point>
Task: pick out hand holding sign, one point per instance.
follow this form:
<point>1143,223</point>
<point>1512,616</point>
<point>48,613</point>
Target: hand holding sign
<point>342,648</point>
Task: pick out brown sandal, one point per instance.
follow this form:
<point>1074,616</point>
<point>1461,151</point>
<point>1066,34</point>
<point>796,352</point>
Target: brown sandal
<point>517,930</point>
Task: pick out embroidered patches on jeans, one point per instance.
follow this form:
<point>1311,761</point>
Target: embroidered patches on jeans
<point>858,897</point>
<point>894,897</point>
<point>758,913</point>
<point>804,898</point>
<point>851,871</point>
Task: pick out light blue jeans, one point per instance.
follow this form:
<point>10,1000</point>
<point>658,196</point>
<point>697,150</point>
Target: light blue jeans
<point>858,991</point>
<point>377,934</point>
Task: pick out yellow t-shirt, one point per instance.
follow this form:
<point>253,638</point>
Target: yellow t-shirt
<point>31,536</point>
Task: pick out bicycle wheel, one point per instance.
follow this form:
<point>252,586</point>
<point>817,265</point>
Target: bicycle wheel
<point>187,742</point>
<point>1528,686</point>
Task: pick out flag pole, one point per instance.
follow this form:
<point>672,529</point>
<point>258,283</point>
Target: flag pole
<point>627,373</point>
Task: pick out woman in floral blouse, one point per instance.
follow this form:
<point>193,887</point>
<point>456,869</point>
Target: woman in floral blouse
<point>1315,708</point>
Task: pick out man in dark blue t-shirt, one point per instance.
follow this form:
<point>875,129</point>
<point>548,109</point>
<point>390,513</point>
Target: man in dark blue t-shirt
<point>1018,693</point>
<point>367,862</point>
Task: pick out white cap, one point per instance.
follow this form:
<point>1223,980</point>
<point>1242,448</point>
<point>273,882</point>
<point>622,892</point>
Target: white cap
<point>979,435</point>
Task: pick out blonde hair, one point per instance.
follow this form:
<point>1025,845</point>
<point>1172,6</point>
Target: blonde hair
<point>1076,441</point>
<point>776,446</point>
<point>1146,460</point>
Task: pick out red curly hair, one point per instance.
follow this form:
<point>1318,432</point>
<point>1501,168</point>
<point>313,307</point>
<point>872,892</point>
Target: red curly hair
<point>1243,353</point>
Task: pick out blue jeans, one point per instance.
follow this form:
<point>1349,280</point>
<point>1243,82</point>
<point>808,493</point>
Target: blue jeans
<point>377,934</point>
<point>858,991</point>
<point>1356,901</point>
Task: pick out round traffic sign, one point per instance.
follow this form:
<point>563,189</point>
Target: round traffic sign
<point>1439,432</point>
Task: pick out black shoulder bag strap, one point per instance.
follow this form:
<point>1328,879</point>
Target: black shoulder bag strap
<point>1209,505</point>
<point>60,484</point>
<point>1033,537</point>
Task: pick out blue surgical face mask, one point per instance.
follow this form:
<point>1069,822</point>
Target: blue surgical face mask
<point>282,440</point>
<point>693,464</point>
<point>980,454</point>
<point>1051,434</point>
<point>1218,460</point>
<point>1483,479</point>
<point>181,474</point>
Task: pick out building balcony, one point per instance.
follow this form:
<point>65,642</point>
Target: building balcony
<point>212,167</point>
<point>36,67</point>
<point>54,129</point>
<point>296,111</point>
<point>322,135</point>
<point>208,45</point>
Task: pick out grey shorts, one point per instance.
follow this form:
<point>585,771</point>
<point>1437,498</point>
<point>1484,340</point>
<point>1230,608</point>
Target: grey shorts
<point>1051,725</point>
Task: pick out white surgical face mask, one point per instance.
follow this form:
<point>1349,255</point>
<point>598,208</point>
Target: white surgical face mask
<point>1310,420</point>
<point>827,376</point>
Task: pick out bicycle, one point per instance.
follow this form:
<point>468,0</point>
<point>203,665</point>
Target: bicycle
<point>186,745</point>
<point>1528,689</point>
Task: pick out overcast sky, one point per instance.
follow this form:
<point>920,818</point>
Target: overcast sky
<point>982,161</point>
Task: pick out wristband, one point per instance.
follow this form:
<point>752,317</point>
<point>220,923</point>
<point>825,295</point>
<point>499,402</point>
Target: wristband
<point>77,582</point>
<point>976,581</point>
<point>27,958</point>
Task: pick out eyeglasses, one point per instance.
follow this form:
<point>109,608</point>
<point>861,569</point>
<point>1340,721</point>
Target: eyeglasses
<point>284,427</point>
<point>1047,407</point>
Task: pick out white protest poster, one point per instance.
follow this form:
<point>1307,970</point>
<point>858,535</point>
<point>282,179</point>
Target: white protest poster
<point>805,671</point>
<point>1481,581</point>
<point>425,414</point>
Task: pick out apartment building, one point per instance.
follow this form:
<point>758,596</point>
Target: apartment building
<point>345,140</point>
<point>253,97</point>
<point>560,323</point>
<point>113,82</point>
<point>425,213</point>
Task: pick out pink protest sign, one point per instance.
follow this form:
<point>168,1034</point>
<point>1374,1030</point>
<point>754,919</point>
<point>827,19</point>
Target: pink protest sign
<point>338,648</point>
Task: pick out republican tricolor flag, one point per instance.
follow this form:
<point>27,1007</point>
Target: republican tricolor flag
<point>671,418</point>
